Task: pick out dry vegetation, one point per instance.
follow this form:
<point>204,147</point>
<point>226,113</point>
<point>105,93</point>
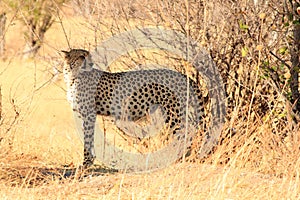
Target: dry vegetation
<point>258,154</point>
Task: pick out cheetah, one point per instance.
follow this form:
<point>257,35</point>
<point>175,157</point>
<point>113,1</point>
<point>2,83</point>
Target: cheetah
<point>93,92</point>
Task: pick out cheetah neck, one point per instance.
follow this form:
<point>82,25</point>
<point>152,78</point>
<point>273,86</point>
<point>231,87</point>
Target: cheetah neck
<point>69,77</point>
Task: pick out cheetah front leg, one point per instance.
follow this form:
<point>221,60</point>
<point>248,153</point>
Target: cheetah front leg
<point>88,128</point>
<point>87,113</point>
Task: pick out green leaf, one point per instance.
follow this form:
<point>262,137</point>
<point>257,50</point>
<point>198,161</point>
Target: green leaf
<point>296,22</point>
<point>283,50</point>
<point>266,63</point>
<point>274,68</point>
<point>244,51</point>
<point>243,26</point>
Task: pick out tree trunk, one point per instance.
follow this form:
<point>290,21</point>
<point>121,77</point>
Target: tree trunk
<point>295,67</point>
<point>36,36</point>
<point>2,33</point>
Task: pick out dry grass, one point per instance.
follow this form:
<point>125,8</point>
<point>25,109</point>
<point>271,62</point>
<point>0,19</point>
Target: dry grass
<point>258,157</point>
<point>190,181</point>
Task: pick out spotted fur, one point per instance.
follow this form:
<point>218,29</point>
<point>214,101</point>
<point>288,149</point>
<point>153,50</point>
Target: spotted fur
<point>93,92</point>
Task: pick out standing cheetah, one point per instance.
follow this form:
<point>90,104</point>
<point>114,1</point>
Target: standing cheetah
<point>93,92</point>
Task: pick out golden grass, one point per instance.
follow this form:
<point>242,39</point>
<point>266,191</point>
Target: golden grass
<point>256,164</point>
<point>189,180</point>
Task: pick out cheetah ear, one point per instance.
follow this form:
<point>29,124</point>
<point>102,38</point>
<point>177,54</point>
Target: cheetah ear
<point>65,52</point>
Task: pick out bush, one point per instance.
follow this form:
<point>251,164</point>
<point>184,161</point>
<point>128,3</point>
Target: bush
<point>37,16</point>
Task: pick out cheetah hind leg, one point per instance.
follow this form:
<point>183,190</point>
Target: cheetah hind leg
<point>155,115</point>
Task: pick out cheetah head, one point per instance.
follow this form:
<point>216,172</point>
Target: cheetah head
<point>77,60</point>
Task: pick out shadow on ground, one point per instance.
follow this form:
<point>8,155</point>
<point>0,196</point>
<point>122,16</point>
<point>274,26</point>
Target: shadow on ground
<point>37,176</point>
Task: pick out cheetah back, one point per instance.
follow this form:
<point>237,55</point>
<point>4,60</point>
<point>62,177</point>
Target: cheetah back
<point>131,94</point>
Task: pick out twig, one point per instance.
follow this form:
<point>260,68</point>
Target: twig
<point>64,30</point>
<point>283,62</point>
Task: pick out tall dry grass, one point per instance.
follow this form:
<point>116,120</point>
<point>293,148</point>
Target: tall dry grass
<point>257,157</point>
